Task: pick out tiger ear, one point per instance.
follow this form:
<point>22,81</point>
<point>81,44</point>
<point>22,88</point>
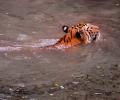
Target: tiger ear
<point>65,28</point>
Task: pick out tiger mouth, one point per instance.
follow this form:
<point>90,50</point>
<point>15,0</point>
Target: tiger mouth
<point>93,37</point>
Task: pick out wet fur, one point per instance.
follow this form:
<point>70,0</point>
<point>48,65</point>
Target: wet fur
<point>81,33</point>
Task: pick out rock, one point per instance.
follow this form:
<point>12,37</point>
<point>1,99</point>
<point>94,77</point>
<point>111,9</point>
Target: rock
<point>102,75</point>
<point>56,85</point>
<point>98,67</point>
<point>10,89</point>
<point>117,4</point>
<point>97,93</point>
<point>75,83</point>
<point>21,85</point>
<point>51,94</point>
<point>62,87</point>
<point>6,13</point>
<point>24,97</point>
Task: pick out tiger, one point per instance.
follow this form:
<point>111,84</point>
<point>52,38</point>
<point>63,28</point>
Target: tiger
<point>81,33</point>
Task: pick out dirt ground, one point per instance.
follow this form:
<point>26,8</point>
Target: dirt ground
<point>90,72</point>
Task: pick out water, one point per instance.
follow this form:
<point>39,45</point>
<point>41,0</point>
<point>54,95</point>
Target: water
<point>38,23</point>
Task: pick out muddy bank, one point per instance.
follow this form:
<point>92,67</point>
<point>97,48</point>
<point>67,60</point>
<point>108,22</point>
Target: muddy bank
<point>98,84</point>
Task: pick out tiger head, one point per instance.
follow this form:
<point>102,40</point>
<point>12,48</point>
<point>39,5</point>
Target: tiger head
<point>83,30</point>
<point>82,33</point>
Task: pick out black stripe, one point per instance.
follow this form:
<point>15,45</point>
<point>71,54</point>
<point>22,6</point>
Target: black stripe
<point>71,35</point>
<point>64,38</point>
<point>69,39</point>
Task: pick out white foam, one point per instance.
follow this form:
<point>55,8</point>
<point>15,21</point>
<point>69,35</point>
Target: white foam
<point>40,43</point>
<point>9,48</point>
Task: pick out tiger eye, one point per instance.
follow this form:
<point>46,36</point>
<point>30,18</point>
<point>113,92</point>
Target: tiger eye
<point>78,35</point>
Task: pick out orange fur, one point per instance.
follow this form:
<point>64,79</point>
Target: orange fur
<point>79,34</point>
<point>82,33</point>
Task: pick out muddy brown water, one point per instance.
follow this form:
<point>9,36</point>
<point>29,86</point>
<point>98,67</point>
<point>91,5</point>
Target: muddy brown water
<point>90,72</point>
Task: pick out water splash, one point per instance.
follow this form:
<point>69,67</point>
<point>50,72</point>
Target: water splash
<point>9,48</point>
<point>41,43</point>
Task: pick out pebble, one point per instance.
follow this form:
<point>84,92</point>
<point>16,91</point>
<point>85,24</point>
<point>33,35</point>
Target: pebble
<point>62,87</point>
<point>21,85</point>
<point>10,89</point>
<point>97,93</point>
<point>24,97</point>
<point>56,85</point>
<point>51,94</point>
<point>6,13</point>
<point>102,75</point>
<point>118,65</point>
<point>117,4</point>
<point>98,67</point>
<point>75,83</point>
<point>79,76</point>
